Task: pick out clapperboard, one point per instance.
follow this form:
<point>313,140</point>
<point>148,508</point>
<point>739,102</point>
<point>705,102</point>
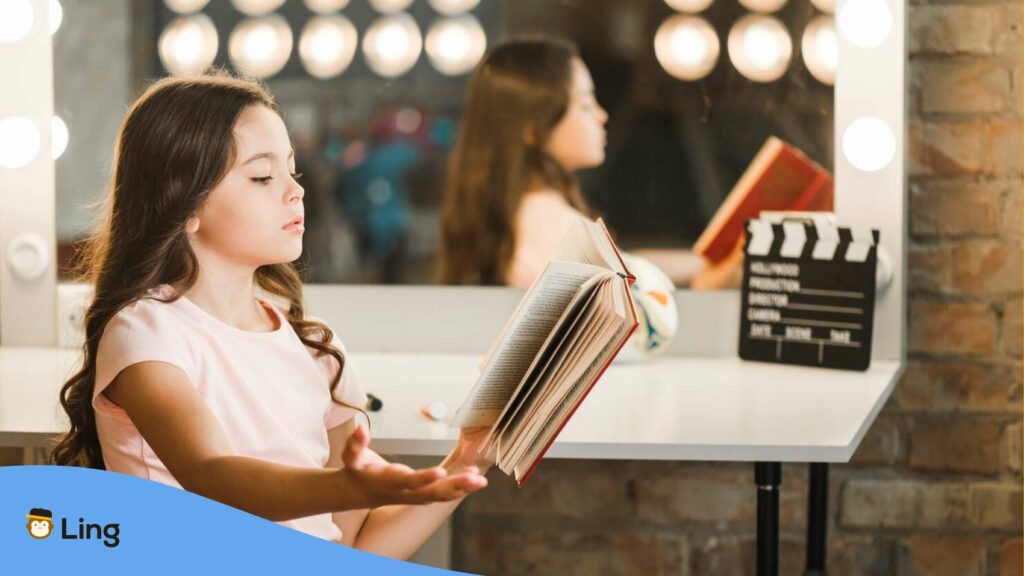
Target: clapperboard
<point>808,291</point>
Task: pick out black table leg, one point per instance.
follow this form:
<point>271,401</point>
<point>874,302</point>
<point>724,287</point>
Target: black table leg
<point>768,477</point>
<point>817,520</point>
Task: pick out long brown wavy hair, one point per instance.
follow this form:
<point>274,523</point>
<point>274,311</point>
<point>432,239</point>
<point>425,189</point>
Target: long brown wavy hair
<point>515,98</point>
<point>173,148</point>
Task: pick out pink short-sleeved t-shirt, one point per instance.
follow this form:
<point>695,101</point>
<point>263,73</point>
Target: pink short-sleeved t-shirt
<point>542,220</point>
<point>270,394</point>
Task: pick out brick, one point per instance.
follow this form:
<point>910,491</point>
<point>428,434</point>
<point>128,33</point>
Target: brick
<point>588,489</point>
<point>490,550</point>
<point>942,209</point>
<point>959,387</point>
<point>937,556</point>
<point>1011,558</point>
<point>1012,328</point>
<point>881,445</point>
<point>950,29</point>
<point>738,554</point>
<point>1005,142</point>
<point>1012,223</point>
<point>696,494</point>
<point>962,87</point>
<point>948,148</point>
<point>970,268</point>
<point>951,327</point>
<point>858,555</point>
<point>942,506</point>
<point>1006,30</point>
<point>996,506</point>
<point>970,446</point>
<point>878,503</point>
<point>1010,448</point>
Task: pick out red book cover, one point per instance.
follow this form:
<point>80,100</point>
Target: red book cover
<point>780,177</point>
<point>522,481</point>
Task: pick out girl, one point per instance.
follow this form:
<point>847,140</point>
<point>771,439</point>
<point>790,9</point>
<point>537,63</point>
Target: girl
<point>201,369</point>
<point>531,121</point>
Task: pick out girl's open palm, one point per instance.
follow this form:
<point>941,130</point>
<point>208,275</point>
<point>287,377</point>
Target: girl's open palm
<point>381,483</point>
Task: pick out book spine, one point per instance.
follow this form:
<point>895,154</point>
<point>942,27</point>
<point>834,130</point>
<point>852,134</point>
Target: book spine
<point>522,481</point>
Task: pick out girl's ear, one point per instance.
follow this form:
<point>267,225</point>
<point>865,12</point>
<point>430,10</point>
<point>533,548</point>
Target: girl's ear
<point>529,136</point>
<point>192,225</point>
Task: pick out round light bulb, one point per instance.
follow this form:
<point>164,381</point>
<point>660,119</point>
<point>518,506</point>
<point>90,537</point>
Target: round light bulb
<point>763,6</point>
<point>392,45</point>
<point>827,6</point>
<point>390,6</point>
<point>56,15</point>
<point>452,7</point>
<point>325,6</point>
<point>16,18</point>
<point>188,45</point>
<point>865,23</point>
<point>456,44</point>
<point>686,46</point>
<point>256,7</point>
<point>760,47</point>
<point>186,6</point>
<point>58,137</point>
<point>327,45</point>
<point>689,6</point>
<point>820,49</point>
<point>869,144</point>
<point>19,142</point>
<point>261,46</point>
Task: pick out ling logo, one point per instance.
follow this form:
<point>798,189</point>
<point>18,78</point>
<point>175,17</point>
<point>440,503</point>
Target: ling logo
<point>40,525</point>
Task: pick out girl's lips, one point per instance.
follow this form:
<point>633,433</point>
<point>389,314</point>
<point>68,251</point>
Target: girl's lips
<point>296,225</point>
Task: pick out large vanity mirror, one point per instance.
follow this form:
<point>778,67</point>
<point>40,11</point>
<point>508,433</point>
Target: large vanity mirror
<point>373,92</point>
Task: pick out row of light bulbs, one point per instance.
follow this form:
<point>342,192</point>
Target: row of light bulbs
<point>261,45</point>
<point>19,139</point>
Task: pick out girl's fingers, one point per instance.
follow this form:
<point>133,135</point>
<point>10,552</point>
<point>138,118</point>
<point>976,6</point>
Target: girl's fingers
<point>354,447</point>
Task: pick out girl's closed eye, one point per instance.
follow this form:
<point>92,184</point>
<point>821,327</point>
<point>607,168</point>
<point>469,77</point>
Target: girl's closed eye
<point>267,179</point>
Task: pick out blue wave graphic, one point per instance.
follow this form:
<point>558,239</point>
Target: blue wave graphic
<point>160,530</point>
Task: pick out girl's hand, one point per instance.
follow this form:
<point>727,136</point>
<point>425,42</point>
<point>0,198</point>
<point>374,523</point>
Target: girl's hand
<point>466,454</point>
<point>380,483</point>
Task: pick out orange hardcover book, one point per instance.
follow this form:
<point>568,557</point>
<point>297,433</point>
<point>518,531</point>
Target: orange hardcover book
<point>780,177</point>
<point>565,332</point>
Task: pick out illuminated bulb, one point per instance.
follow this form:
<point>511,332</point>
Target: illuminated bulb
<point>760,48</point>
<point>58,137</point>
<point>452,7</point>
<point>820,49</point>
<point>390,6</point>
<point>456,44</point>
<point>824,5</point>
<point>865,23</point>
<point>327,45</point>
<point>188,45</point>
<point>257,7</point>
<point>763,6</point>
<point>392,45</point>
<point>869,144</point>
<point>19,142</point>
<point>260,47</point>
<point>56,15</point>
<point>691,6</point>
<point>186,6</point>
<point>686,46</point>
<point>325,6</point>
<point>16,17</point>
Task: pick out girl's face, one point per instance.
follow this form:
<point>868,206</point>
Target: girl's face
<point>578,139</point>
<point>254,216</point>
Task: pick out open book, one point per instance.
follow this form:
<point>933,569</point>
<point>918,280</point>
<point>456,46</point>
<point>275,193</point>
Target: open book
<point>780,177</point>
<point>565,331</point>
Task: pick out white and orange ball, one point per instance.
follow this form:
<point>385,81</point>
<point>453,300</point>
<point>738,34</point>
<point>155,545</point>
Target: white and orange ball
<point>656,309</point>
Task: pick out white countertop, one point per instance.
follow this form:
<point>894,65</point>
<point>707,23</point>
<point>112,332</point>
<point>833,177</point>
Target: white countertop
<point>721,409</point>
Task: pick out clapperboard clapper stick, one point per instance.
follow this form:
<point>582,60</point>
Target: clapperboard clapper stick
<point>808,291</point>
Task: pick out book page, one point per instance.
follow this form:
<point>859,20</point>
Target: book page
<point>565,378</point>
<point>566,326</point>
<point>518,345</point>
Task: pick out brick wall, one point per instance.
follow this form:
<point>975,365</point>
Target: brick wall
<point>936,486</point>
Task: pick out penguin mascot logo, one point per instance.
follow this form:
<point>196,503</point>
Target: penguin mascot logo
<point>40,523</point>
